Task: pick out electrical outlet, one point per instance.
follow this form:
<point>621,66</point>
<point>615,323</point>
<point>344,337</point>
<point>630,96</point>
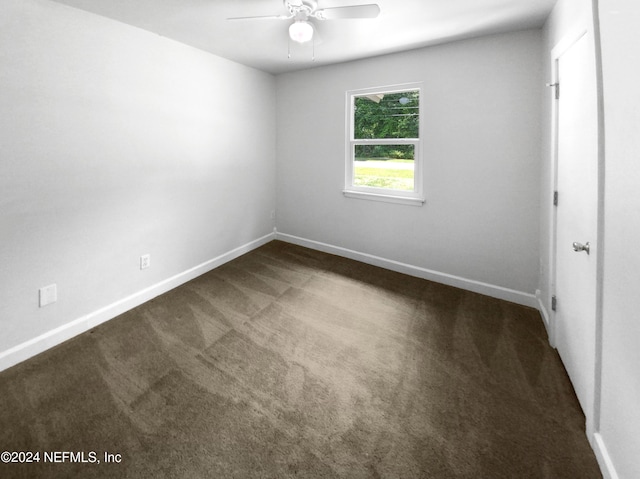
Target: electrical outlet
<point>145,261</point>
<point>48,295</point>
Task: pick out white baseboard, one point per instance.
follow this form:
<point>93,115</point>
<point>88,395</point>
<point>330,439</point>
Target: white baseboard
<point>499,292</point>
<point>56,336</point>
<point>603,457</point>
<point>546,319</point>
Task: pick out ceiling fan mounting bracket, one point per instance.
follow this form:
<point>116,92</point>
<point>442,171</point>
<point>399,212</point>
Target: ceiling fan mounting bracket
<point>301,9</point>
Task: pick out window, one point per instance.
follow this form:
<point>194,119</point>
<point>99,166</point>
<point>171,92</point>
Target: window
<point>383,158</point>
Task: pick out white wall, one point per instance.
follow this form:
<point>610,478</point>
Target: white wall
<point>482,161</point>
<point>115,142</point>
<point>620,393</point>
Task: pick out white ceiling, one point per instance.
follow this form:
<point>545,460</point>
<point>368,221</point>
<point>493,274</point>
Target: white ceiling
<point>263,44</point>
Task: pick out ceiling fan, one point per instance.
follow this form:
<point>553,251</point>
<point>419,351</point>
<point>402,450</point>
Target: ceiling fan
<point>301,11</point>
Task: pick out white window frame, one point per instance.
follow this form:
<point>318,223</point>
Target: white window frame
<point>415,197</point>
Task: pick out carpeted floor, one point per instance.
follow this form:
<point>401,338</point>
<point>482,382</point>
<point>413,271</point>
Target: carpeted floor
<point>288,362</point>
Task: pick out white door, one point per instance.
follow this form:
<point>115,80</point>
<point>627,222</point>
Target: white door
<point>576,219</point>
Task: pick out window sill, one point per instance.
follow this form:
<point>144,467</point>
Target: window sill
<point>402,200</point>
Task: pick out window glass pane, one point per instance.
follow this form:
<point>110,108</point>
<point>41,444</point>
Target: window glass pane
<point>384,166</point>
<point>388,115</point>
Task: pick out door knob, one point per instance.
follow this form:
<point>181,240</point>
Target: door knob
<point>581,247</point>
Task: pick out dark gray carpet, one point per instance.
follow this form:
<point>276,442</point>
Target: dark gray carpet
<point>288,362</point>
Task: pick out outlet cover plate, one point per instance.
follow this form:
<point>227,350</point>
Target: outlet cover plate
<point>48,295</point>
<point>145,261</point>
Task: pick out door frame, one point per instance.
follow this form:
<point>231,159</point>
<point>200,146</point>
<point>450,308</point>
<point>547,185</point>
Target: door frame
<point>592,417</point>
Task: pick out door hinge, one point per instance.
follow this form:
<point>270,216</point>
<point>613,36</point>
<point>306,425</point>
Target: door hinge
<point>556,87</point>
<point>554,303</point>
<point>555,198</point>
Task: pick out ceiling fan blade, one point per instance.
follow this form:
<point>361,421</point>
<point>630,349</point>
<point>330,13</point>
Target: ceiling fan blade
<point>371,10</point>
<point>265,17</point>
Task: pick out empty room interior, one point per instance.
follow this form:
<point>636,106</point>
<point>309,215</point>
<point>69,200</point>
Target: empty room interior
<point>322,238</point>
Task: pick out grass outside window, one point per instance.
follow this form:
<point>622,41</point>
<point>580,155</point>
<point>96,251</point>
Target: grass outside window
<point>384,173</point>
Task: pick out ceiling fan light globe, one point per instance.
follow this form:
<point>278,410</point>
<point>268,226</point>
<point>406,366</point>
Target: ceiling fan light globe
<point>301,31</point>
